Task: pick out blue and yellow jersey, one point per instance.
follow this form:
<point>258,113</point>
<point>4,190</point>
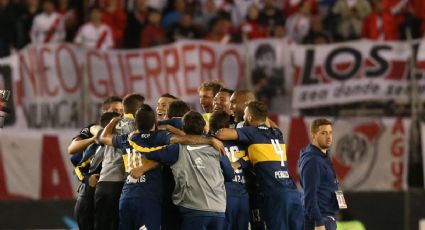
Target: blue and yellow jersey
<point>236,152</point>
<point>267,154</point>
<point>150,183</point>
<point>90,163</point>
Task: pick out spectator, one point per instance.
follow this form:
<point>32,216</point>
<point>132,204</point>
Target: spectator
<point>209,11</point>
<point>325,6</point>
<point>70,19</point>
<point>270,16</point>
<point>153,34</point>
<point>238,9</point>
<point>397,9</point>
<point>380,24</point>
<point>8,24</point>
<point>217,31</point>
<point>418,7</point>
<point>350,15</point>
<point>95,34</point>
<point>280,33</point>
<point>251,26</point>
<point>292,7</point>
<point>48,27</point>
<point>115,17</point>
<point>157,4</point>
<point>316,34</point>
<point>175,12</point>
<point>412,23</point>
<point>298,24</point>
<point>30,9</point>
<point>184,29</point>
<point>137,19</point>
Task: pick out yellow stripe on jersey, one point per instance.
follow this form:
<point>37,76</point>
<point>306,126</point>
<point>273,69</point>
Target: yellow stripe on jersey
<point>240,154</point>
<point>144,149</point>
<point>206,117</point>
<point>266,152</point>
<point>129,116</point>
<point>235,156</point>
<point>78,169</point>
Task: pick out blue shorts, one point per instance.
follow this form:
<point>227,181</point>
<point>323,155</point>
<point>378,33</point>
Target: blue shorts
<point>283,209</point>
<point>138,212</point>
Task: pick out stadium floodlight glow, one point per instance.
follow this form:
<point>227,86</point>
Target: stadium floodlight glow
<point>4,98</point>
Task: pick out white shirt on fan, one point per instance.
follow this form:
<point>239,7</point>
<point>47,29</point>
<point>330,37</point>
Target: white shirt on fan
<point>43,23</point>
<point>89,36</point>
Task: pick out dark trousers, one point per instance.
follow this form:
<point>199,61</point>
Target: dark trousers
<point>282,210</point>
<point>329,221</point>
<point>171,219</point>
<point>202,223</point>
<point>140,213</point>
<point>256,218</point>
<point>237,213</point>
<point>84,207</point>
<point>107,198</point>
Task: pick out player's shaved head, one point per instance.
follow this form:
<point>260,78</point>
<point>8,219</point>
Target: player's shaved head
<point>246,95</point>
<point>238,102</point>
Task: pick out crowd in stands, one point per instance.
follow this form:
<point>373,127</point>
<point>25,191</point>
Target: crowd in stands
<point>129,24</point>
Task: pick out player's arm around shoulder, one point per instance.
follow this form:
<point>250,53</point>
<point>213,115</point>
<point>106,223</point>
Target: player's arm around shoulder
<point>107,133</point>
<point>227,134</point>
<point>198,140</point>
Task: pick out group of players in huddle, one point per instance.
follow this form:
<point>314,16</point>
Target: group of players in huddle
<point>179,169</point>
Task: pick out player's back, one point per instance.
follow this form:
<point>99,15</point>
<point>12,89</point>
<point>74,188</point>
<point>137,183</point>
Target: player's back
<point>150,183</point>
<point>267,153</point>
<point>236,151</point>
<point>199,179</point>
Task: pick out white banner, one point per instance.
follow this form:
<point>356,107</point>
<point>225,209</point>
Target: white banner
<point>35,165</point>
<point>62,84</point>
<point>350,72</point>
<point>369,154</point>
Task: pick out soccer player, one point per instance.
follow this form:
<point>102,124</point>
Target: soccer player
<point>112,175</point>
<point>175,112</point>
<point>222,100</point>
<point>87,172</point>
<point>237,205</point>
<point>162,105</point>
<point>113,104</point>
<point>238,102</point>
<point>170,213</point>
<point>280,203</point>
<point>48,27</point>
<point>322,197</point>
<point>197,170</point>
<point>85,137</point>
<point>140,202</point>
<point>207,91</point>
<point>95,34</point>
